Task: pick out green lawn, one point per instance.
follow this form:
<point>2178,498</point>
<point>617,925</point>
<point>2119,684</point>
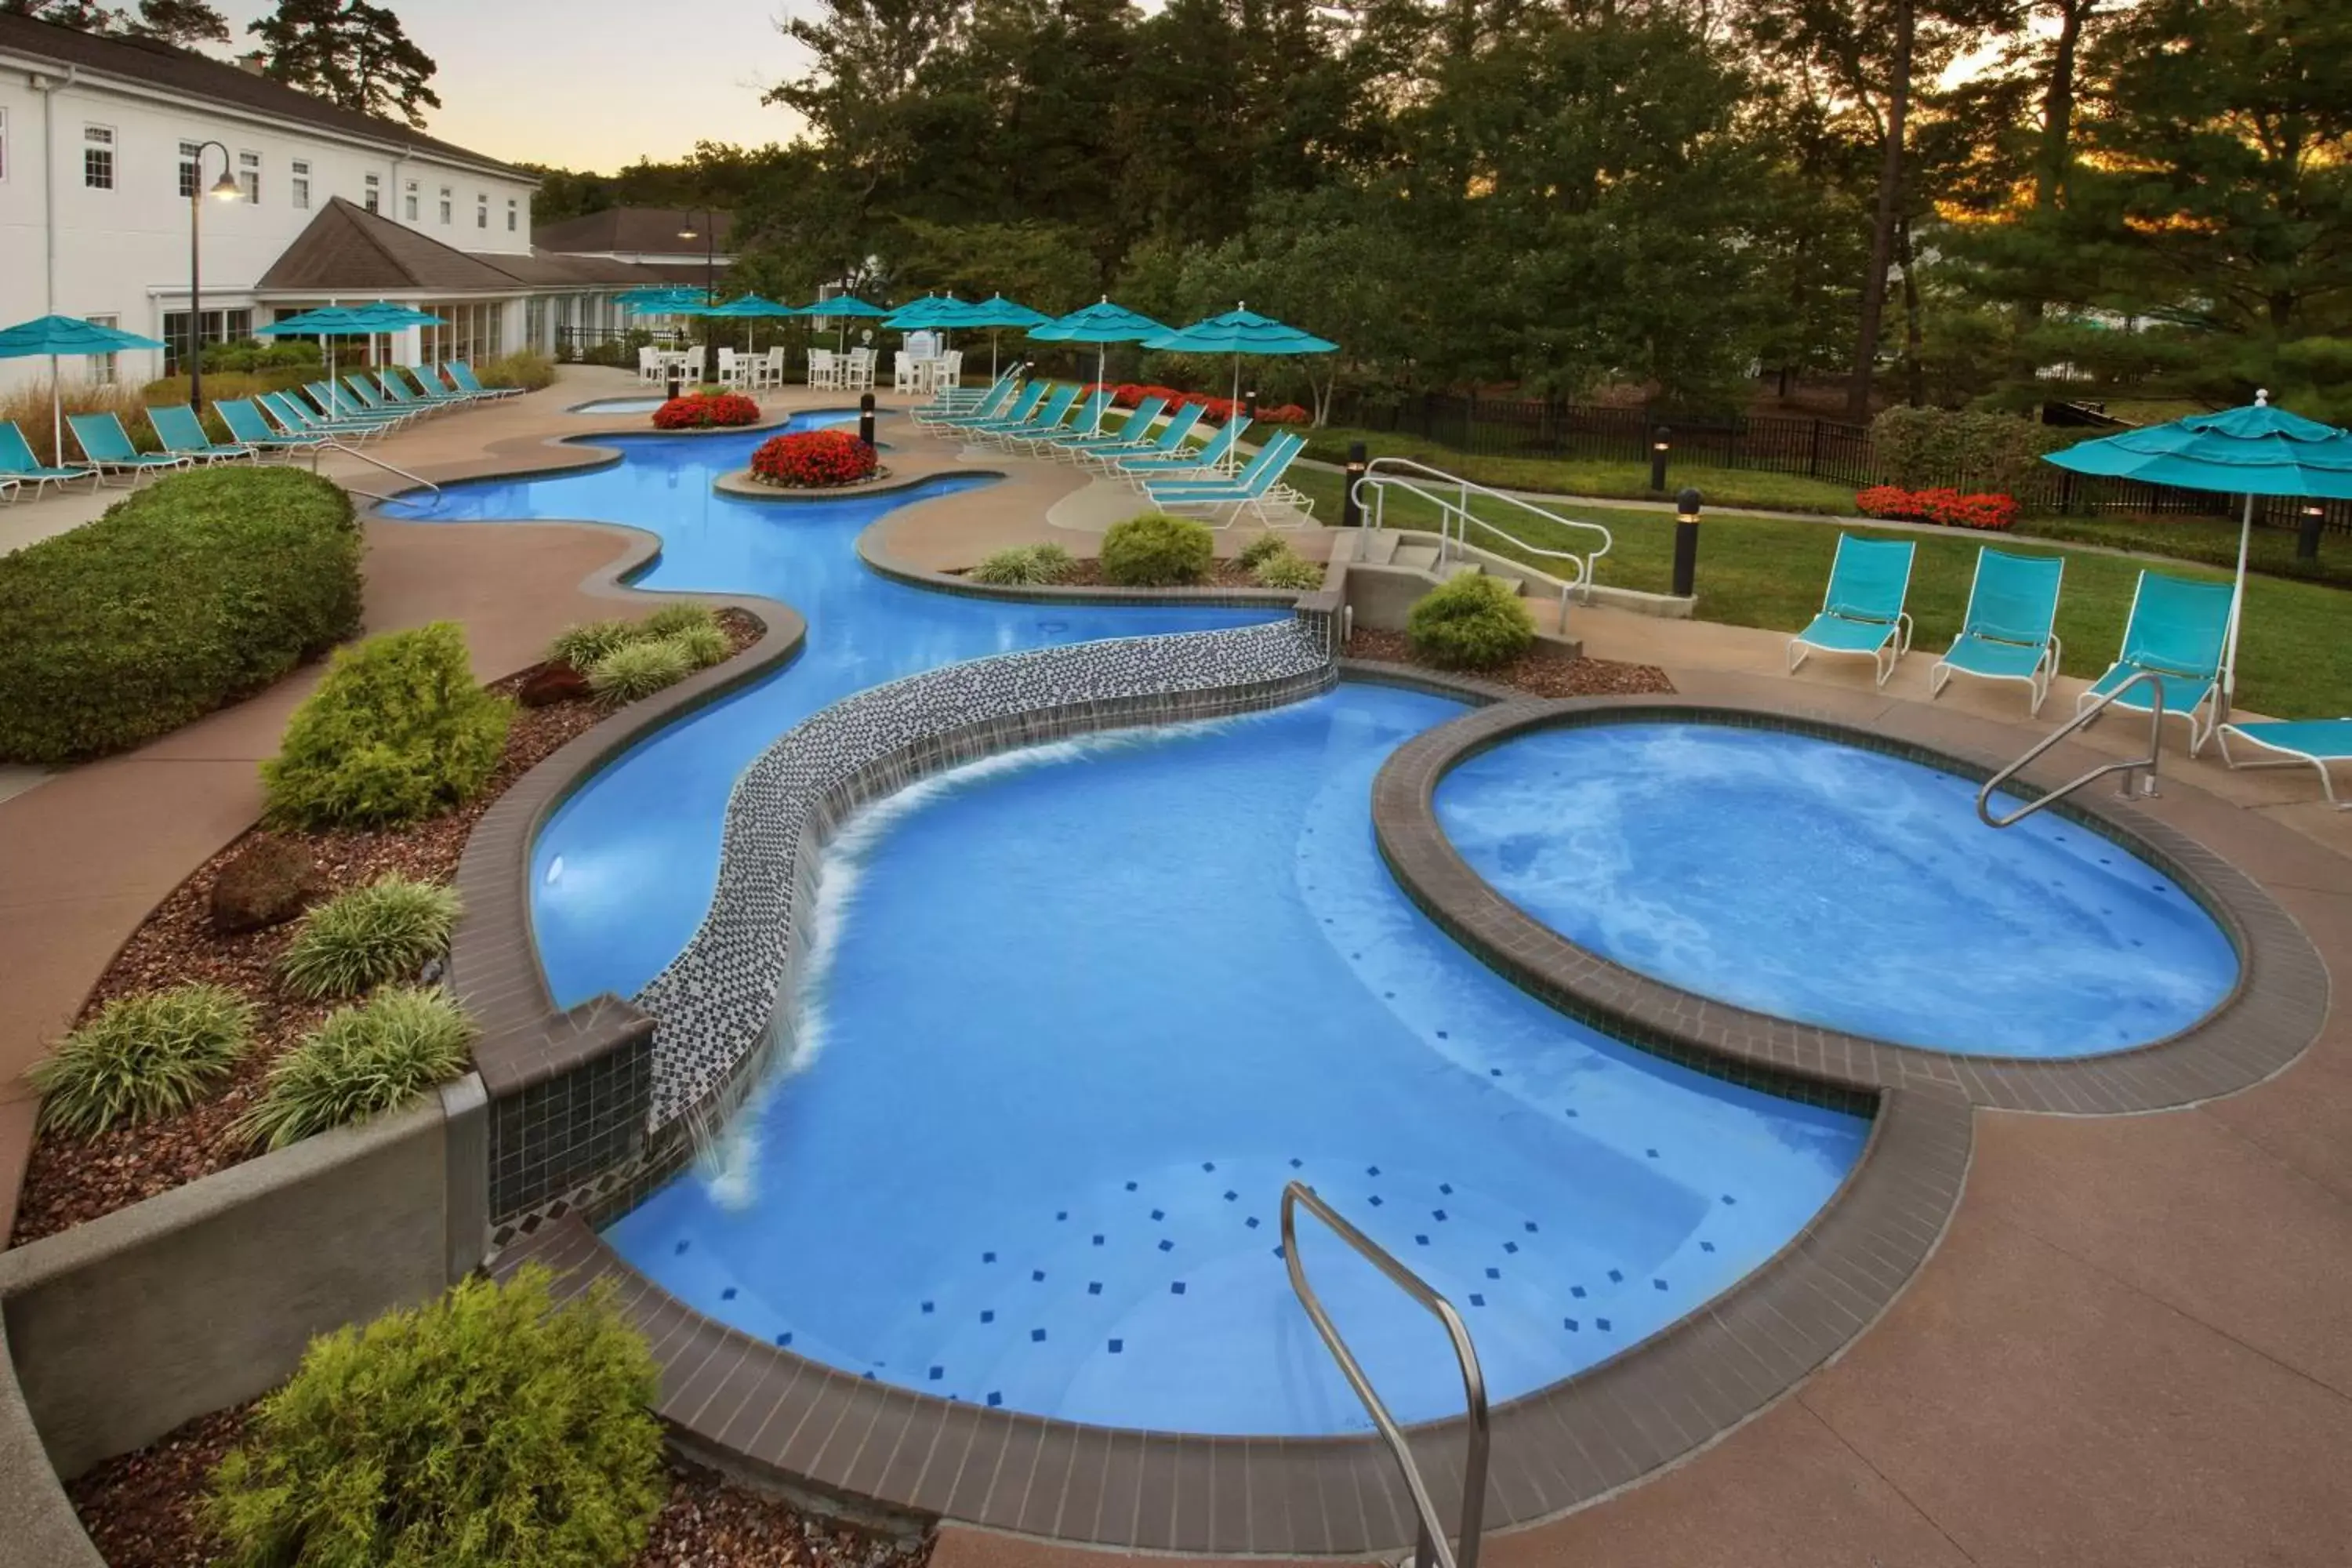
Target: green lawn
<point>1627,481</point>
<point>2295,660</point>
<point>2211,539</point>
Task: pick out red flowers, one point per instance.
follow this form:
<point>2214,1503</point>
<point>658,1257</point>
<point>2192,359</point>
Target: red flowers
<point>1947,507</point>
<point>703,410</point>
<point>812,459</point>
<point>1127,394</point>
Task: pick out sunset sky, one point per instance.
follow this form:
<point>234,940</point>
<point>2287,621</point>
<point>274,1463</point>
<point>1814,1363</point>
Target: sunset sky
<point>592,84</point>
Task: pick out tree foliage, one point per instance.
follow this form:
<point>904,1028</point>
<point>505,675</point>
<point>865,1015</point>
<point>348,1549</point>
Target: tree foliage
<point>182,21</point>
<point>352,54</point>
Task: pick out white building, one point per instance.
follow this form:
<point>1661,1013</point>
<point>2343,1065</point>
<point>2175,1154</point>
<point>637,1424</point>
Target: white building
<point>102,141</point>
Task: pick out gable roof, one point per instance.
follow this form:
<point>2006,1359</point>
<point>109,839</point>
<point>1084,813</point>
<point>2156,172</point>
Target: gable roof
<point>347,249</point>
<point>195,76</point>
<point>645,230</point>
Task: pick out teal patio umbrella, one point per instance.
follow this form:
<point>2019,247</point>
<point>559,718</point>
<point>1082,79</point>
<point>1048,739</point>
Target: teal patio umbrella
<point>838,311</point>
<point>1101,324</point>
<point>2253,451</point>
<point>327,323</point>
<point>996,313</point>
<point>60,337</point>
<point>1237,332</point>
<point>746,309</point>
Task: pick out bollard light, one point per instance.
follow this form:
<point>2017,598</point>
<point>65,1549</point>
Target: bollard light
<point>2306,536</point>
<point>1658,444</point>
<point>866,418</point>
<point>1351,504</point>
<point>1685,542</point>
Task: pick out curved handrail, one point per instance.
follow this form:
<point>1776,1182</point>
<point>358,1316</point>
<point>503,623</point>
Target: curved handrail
<point>1381,474</point>
<point>2148,786</point>
<point>414,480</point>
<point>1431,1549</point>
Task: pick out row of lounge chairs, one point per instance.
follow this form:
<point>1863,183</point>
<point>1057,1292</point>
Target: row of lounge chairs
<point>2177,637</point>
<point>1151,449</point>
<point>362,404</point>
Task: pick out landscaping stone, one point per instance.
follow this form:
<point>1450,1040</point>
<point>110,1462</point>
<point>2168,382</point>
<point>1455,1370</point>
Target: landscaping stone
<point>266,883</point>
<point>550,683</point>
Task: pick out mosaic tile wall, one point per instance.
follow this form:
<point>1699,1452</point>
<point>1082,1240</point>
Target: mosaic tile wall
<point>716,1005</point>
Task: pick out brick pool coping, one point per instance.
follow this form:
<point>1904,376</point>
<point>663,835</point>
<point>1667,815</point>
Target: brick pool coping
<point>2270,1016</point>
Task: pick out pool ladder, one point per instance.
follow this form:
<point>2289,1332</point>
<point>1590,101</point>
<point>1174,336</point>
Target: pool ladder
<point>2140,772</point>
<point>350,451</point>
<point>1431,1550</point>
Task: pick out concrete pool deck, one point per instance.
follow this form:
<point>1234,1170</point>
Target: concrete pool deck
<point>2128,1349</point>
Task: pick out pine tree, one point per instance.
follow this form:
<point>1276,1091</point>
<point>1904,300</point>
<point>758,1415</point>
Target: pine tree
<point>350,54</point>
<point>182,21</point>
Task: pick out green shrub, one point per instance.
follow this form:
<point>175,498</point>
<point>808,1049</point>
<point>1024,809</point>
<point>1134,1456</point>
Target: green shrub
<point>526,368</point>
<point>583,645</point>
<point>685,614</point>
<point>703,646</point>
<point>1023,565</point>
<point>398,732</point>
<point>1282,569</point>
<point>141,1056</point>
<point>1471,622</point>
<point>1156,550</point>
<point>639,669</point>
<point>363,1061</point>
<point>1924,449</point>
<point>359,939</point>
<point>183,597</point>
<point>486,1429</point>
<point>1261,550</point>
<point>1054,561</point>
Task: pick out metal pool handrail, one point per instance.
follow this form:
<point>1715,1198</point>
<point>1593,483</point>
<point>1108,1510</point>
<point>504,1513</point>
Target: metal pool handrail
<point>1431,1550</point>
<point>369,458</point>
<point>2155,679</point>
<point>1455,517</point>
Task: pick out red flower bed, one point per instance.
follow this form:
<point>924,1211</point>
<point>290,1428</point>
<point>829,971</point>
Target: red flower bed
<point>1949,507</point>
<point>704,410</point>
<point>813,459</point>
<point>1217,410</point>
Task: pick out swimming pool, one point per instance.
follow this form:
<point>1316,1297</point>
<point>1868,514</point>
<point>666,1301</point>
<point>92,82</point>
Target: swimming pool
<point>622,874</point>
<point>1836,886</point>
<point>1076,1015</point>
<point>620,405</point>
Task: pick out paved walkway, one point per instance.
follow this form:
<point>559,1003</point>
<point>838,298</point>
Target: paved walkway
<point>2130,1349</point>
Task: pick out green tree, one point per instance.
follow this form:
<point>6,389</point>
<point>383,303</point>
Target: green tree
<point>181,22</point>
<point>350,53</point>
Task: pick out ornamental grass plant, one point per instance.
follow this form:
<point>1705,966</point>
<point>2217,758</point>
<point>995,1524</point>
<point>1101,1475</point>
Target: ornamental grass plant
<point>141,1058</point>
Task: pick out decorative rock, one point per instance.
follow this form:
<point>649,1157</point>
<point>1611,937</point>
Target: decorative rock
<point>550,683</point>
<point>268,883</point>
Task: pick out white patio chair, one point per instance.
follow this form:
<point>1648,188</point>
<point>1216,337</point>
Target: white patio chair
<point>951,370</point>
<point>861,370</point>
<point>823,371</point>
<point>731,368</point>
<point>906,373</point>
<point>649,363</point>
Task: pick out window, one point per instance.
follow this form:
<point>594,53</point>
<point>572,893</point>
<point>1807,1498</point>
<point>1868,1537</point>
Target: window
<point>192,156</point>
<point>512,206</point>
<point>98,157</point>
<point>301,184</point>
<point>481,209</point>
<point>248,175</point>
<point>374,193</point>
<point>408,201</point>
<point>101,366</point>
<point>220,327</point>
<point>446,204</point>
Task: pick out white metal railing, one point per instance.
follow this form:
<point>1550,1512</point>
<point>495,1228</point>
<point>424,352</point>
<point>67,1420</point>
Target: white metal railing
<point>2140,772</point>
<point>414,480</point>
<point>1451,494</point>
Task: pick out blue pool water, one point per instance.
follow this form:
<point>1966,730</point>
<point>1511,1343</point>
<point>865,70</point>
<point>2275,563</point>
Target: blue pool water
<point>1073,1018</point>
<point>1837,886</point>
<point>622,874</point>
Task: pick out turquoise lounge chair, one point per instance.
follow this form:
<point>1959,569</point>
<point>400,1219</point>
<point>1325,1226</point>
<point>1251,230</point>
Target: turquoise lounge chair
<point>1049,416</point>
<point>2177,632</point>
<point>952,401</point>
<point>1862,611</point>
<point>1146,414</point>
<point>2313,742</point>
<point>296,419</point>
<point>1085,416</point>
<point>1017,412</point>
<point>2010,632</point>
<point>373,401</point>
<point>1248,490</point>
<point>108,446</point>
<point>1137,441</point>
<point>402,394</point>
<point>19,464</point>
<point>1203,463</point>
<point>461,375</point>
<point>334,403</point>
<point>245,422</point>
<point>182,434</point>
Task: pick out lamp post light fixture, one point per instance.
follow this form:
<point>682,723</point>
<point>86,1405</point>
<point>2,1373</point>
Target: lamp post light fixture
<point>1658,459</point>
<point>1351,498</point>
<point>708,235</point>
<point>225,189</point>
<point>1685,542</point>
<point>2306,533</point>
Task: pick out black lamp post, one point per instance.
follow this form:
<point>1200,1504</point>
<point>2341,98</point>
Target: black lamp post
<point>1658,459</point>
<point>2306,533</point>
<point>225,189</point>
<point>709,283</point>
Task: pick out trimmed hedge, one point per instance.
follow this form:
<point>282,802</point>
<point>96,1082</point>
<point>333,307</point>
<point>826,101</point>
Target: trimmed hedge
<point>1471,622</point>
<point>1156,550</point>
<point>185,597</point>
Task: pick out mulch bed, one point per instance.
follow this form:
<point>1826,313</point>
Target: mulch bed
<point>1542,672</point>
<point>71,1180</point>
<point>143,1510</point>
<point>1087,573</point>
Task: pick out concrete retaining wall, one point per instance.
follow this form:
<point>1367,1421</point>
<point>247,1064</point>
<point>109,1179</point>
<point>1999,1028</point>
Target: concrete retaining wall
<point>205,1296</point>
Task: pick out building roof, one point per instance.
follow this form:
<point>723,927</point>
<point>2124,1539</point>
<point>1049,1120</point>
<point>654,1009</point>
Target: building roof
<point>194,76</point>
<point>651,231</point>
<point>347,249</point>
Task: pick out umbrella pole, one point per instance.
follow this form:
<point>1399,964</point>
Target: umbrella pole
<point>1231,463</point>
<point>2237,609</point>
<point>1102,357</point>
<point>57,415</point>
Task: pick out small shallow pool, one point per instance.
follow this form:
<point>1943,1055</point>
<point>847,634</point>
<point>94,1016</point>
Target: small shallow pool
<point>620,405</point>
<point>1836,886</point>
<point>1078,1014</point>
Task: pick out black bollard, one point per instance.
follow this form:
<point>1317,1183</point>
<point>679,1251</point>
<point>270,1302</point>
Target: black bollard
<point>673,378</point>
<point>865,419</point>
<point>1352,505</point>
<point>1658,459</point>
<point>1686,542</point>
<point>2306,533</point>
